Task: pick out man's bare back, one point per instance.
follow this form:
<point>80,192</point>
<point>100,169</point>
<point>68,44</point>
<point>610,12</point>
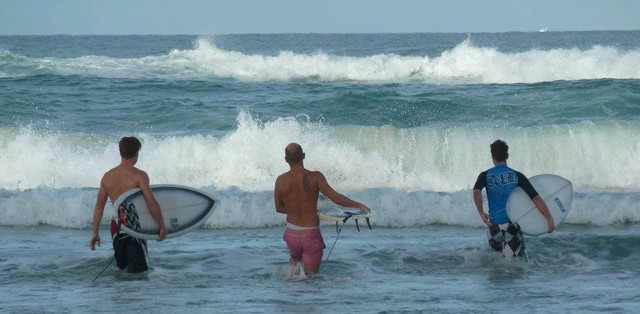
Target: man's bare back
<point>118,180</point>
<point>121,179</point>
<point>296,192</point>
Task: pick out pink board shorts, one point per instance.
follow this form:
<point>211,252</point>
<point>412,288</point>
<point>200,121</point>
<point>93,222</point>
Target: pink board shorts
<point>306,245</point>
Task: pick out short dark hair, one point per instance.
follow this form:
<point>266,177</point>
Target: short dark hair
<point>294,153</point>
<point>129,147</point>
<point>500,150</point>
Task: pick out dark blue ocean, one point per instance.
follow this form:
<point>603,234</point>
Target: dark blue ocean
<point>400,122</point>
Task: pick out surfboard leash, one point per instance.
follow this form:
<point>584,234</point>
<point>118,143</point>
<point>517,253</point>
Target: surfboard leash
<point>112,258</point>
<point>339,230</point>
<point>334,243</point>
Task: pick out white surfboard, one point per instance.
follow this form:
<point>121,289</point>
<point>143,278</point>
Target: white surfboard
<point>343,215</point>
<point>340,215</point>
<point>183,209</point>
<point>557,193</point>
<point>330,211</point>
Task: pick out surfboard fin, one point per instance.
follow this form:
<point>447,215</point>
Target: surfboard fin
<point>350,215</point>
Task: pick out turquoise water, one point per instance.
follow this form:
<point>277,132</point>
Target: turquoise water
<point>430,268</point>
<point>401,122</point>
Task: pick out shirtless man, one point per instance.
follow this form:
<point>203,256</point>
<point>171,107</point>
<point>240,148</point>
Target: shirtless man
<point>296,195</point>
<point>129,252</point>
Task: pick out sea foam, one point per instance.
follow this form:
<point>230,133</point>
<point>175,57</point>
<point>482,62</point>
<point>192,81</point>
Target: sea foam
<point>410,177</point>
<point>463,64</point>
<point>73,208</point>
<point>600,155</point>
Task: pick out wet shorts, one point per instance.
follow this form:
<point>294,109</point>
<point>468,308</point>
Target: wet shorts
<point>306,245</point>
<point>507,238</point>
<point>131,253</point>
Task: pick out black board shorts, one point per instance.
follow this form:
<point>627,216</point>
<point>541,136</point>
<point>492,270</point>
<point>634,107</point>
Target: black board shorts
<point>130,253</point>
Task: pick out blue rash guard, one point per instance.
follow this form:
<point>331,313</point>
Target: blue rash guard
<point>500,181</point>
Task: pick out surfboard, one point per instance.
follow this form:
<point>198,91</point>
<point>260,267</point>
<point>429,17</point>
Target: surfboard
<point>331,212</point>
<point>183,209</point>
<point>337,215</point>
<point>340,215</point>
<point>557,193</point>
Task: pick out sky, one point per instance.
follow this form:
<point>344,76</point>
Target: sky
<point>210,17</point>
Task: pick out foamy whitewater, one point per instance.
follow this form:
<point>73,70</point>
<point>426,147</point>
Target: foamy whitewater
<point>400,122</point>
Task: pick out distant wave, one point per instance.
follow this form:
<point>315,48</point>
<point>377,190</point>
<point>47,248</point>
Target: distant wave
<point>463,64</point>
<point>600,155</point>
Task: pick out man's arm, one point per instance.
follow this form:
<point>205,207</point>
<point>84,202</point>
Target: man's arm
<point>542,207</point>
<point>152,204</point>
<point>480,184</point>
<point>280,208</point>
<point>336,197</point>
<point>525,184</point>
<point>97,215</point>
<point>477,198</point>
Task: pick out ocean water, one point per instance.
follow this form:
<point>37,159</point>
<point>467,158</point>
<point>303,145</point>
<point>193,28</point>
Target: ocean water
<point>400,122</point>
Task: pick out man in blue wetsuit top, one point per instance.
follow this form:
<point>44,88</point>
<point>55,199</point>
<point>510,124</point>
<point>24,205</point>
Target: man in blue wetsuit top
<point>500,181</point>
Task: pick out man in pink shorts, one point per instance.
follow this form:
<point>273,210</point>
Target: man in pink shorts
<point>296,195</point>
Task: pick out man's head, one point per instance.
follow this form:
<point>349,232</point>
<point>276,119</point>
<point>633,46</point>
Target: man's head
<point>293,154</point>
<point>499,151</point>
<point>129,147</point>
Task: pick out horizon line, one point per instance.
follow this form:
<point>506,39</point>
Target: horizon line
<point>330,33</point>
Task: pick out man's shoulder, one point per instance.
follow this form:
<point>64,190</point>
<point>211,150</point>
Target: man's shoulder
<point>520,174</point>
<point>499,168</point>
<point>316,174</point>
<point>310,172</point>
<point>120,173</point>
<point>481,181</point>
<point>282,176</point>
<point>281,179</point>
<point>139,171</point>
<point>109,174</point>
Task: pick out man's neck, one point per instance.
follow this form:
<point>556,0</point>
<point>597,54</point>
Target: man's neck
<point>128,163</point>
<point>296,166</point>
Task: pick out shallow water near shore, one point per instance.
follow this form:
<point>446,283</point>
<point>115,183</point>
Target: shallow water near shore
<point>576,269</point>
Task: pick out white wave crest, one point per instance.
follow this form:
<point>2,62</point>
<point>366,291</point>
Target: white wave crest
<point>465,63</point>
<point>599,155</point>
